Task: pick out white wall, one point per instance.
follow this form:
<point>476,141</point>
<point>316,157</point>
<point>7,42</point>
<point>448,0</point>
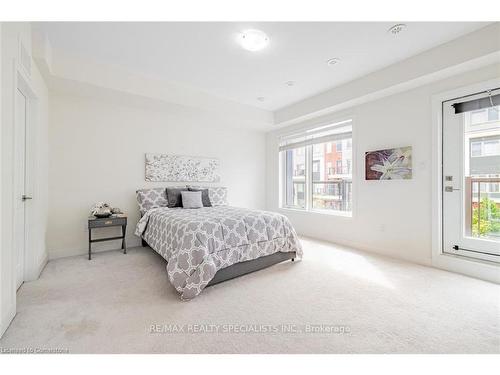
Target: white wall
<point>10,35</point>
<point>390,217</point>
<point>97,149</point>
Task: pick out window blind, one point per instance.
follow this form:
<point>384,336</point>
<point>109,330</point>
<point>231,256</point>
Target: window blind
<point>329,133</point>
<point>476,104</point>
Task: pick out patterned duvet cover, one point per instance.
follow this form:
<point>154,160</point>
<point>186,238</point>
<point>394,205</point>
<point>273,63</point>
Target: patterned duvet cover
<point>198,242</point>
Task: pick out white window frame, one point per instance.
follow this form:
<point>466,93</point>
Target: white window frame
<point>309,173</point>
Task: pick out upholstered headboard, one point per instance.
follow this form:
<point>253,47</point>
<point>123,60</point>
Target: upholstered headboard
<point>157,197</point>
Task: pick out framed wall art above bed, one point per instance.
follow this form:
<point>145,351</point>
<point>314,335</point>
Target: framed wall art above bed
<point>163,167</point>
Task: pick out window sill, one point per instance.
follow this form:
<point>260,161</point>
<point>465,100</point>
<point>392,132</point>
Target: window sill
<point>318,212</point>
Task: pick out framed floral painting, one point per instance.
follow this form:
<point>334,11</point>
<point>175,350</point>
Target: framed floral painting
<point>389,164</point>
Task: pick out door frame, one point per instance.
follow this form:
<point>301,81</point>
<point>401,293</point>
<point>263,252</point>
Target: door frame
<point>469,266</point>
<point>22,82</point>
<point>20,172</point>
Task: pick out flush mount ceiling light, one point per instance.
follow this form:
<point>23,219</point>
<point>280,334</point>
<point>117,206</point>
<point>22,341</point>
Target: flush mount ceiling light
<point>333,61</point>
<point>396,29</point>
<point>253,40</point>
<point>261,98</point>
<point>290,83</point>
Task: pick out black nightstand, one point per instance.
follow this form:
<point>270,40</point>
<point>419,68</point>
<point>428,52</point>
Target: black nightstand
<point>112,221</point>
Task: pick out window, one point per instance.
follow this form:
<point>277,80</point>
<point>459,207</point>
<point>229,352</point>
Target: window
<point>475,149</point>
<point>478,117</point>
<point>316,169</point>
<point>329,190</point>
<point>485,146</point>
<point>299,170</point>
<point>493,113</point>
<point>485,115</point>
<point>295,177</point>
<point>314,178</point>
<point>492,148</point>
<point>329,168</point>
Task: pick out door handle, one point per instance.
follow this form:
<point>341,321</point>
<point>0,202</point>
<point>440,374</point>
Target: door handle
<point>450,189</point>
<point>25,197</point>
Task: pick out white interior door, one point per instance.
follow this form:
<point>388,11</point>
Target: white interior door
<point>20,185</point>
<point>471,180</point>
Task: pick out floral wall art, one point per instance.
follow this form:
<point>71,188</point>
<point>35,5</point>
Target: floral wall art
<point>389,164</point>
<point>162,167</point>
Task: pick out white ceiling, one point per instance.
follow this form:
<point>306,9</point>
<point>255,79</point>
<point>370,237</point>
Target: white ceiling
<point>205,56</point>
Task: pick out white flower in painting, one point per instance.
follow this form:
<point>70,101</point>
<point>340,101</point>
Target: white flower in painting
<point>395,167</point>
<point>403,153</point>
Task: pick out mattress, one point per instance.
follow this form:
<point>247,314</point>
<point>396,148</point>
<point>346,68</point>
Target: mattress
<point>199,242</point>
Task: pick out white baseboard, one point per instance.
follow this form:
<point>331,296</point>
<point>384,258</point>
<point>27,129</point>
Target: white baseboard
<point>33,273</point>
<point>42,264</point>
<point>470,267</point>
<point>356,245</point>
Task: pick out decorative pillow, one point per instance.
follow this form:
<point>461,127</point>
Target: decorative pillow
<point>204,196</point>
<point>191,199</point>
<point>174,197</point>
<point>151,198</point>
<point>217,194</point>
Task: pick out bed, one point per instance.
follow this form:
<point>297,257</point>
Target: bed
<point>208,245</point>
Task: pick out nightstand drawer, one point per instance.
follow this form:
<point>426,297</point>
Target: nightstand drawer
<point>107,222</point>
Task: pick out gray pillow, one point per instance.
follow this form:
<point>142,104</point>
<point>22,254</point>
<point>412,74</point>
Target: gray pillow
<point>174,197</point>
<point>191,199</point>
<point>205,198</point>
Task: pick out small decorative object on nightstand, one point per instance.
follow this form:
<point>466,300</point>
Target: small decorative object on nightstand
<point>101,209</point>
<point>112,221</point>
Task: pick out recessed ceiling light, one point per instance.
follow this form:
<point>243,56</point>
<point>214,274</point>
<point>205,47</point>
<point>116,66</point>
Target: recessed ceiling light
<point>261,98</point>
<point>333,61</point>
<point>290,83</point>
<point>396,29</point>
<point>253,40</point>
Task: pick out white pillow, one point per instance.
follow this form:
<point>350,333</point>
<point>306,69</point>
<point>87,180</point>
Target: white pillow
<point>191,199</point>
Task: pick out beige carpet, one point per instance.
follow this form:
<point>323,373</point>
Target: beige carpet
<point>356,302</point>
